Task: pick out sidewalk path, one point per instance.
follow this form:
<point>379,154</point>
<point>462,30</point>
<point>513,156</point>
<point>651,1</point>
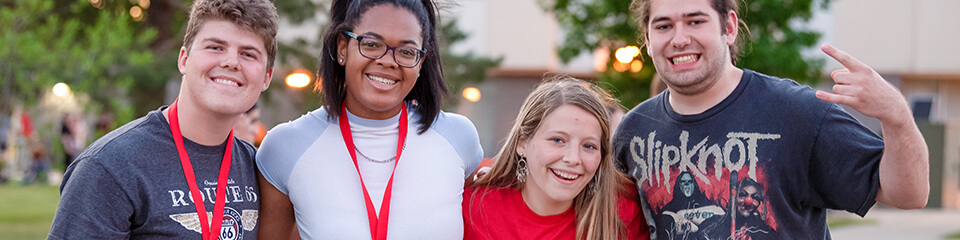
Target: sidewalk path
<point>887,223</point>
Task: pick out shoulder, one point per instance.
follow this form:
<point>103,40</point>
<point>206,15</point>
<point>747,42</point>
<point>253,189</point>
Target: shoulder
<point>316,120</point>
<point>296,134</point>
<point>286,143</point>
<point>782,88</point>
<point>131,138</point>
<point>489,194</point>
<point>647,109</point>
<point>786,96</point>
<point>462,135</point>
<point>456,128</point>
<point>454,125</point>
<point>247,150</point>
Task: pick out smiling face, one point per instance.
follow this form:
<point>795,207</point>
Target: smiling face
<point>688,46</point>
<point>376,87</point>
<point>225,70</point>
<point>562,156</point>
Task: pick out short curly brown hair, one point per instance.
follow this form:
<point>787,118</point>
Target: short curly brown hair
<point>257,16</point>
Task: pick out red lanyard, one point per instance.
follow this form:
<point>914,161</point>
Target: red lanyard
<point>378,228</point>
<point>213,231</point>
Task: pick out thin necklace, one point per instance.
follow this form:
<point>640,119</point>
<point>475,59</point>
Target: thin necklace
<point>385,160</point>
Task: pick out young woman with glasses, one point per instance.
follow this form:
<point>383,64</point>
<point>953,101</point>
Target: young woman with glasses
<point>379,159</point>
<point>555,177</point>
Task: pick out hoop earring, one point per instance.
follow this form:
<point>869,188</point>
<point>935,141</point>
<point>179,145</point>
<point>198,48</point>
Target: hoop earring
<point>522,169</point>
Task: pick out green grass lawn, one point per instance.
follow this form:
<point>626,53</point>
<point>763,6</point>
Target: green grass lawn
<point>26,212</point>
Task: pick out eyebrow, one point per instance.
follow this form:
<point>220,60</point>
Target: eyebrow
<point>685,15</point>
<point>224,42</point>
<point>378,36</point>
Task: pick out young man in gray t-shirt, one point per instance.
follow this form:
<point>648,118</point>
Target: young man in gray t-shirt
<point>178,172</point>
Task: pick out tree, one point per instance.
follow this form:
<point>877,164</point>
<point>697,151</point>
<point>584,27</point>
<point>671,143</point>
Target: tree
<point>96,46</point>
<point>772,47</point>
<point>100,52</point>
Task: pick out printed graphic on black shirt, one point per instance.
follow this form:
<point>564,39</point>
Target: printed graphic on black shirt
<point>705,189</point>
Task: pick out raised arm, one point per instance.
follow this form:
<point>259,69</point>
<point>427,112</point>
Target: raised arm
<point>905,165</point>
<point>277,220</point>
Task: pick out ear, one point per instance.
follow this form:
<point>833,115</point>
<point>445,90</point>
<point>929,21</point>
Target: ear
<point>732,27</point>
<point>266,81</point>
<point>182,60</point>
<point>521,145</point>
<point>342,45</point>
<point>646,44</point>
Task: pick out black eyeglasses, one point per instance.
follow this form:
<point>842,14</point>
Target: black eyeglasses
<point>373,48</point>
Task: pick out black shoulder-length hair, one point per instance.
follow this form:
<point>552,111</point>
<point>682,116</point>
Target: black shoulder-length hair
<point>430,88</point>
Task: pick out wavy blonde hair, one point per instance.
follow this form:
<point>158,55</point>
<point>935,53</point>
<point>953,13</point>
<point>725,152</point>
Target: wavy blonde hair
<point>596,212</point>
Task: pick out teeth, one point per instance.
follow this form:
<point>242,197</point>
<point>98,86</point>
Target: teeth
<point>684,59</point>
<point>382,80</point>
<point>228,82</point>
<point>567,176</point>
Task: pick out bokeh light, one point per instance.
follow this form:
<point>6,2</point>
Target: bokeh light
<point>137,13</point>
<point>636,66</point>
<point>61,89</point>
<point>472,94</point>
<point>298,80</point>
<point>626,54</point>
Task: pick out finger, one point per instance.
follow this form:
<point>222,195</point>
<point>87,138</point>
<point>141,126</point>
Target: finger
<point>840,75</point>
<point>845,59</point>
<point>835,98</point>
<point>845,90</point>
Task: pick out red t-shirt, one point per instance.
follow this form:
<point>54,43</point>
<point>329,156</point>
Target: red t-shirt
<point>500,213</point>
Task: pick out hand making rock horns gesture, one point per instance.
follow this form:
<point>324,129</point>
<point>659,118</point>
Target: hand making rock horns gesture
<point>863,89</point>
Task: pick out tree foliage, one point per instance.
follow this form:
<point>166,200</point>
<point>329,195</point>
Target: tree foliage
<point>48,42</point>
<point>773,46</point>
<point>96,47</point>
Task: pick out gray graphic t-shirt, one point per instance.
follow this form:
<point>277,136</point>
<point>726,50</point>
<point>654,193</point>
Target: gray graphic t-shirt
<point>130,184</point>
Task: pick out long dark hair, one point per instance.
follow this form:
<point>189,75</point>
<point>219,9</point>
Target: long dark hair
<point>430,88</point>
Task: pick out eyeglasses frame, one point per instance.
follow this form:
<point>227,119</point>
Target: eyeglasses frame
<point>359,38</point>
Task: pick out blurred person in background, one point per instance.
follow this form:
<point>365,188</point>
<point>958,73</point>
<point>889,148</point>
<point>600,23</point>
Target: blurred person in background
<point>73,135</point>
<point>249,125</point>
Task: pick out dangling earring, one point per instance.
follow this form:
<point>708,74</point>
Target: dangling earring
<point>522,169</point>
<point>592,186</point>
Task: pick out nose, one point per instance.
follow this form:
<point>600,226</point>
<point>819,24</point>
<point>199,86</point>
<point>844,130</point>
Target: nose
<point>388,59</point>
<point>230,61</point>
<point>680,37</point>
<point>571,155</point>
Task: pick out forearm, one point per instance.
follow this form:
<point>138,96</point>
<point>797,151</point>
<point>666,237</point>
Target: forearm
<point>905,165</point>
